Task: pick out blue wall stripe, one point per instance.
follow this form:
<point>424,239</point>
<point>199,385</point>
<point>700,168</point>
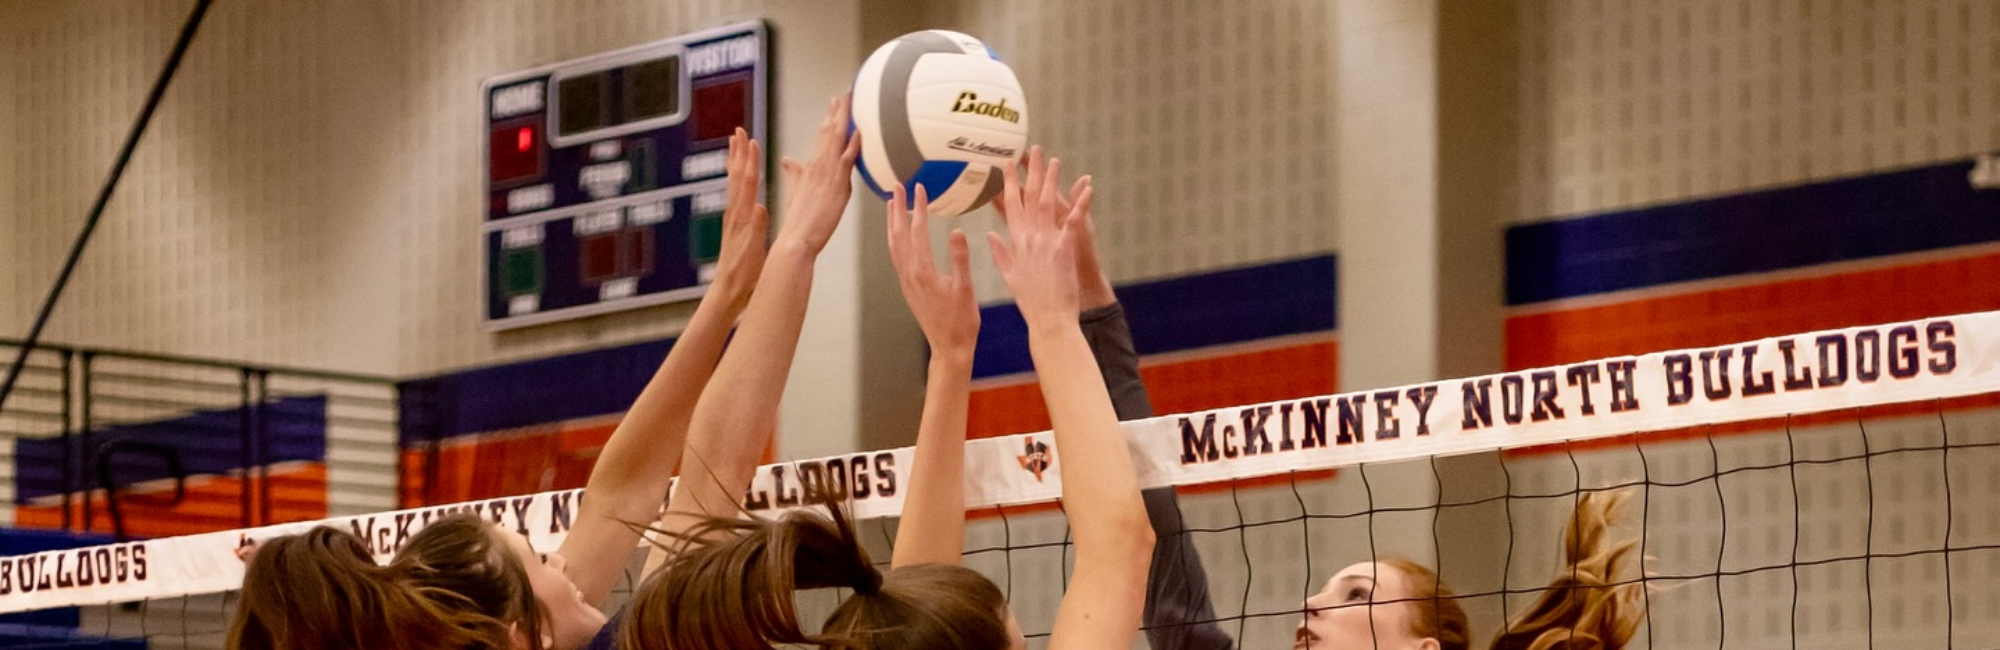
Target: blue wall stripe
<point>1908,211</point>
<point>1184,313</point>
<point>53,637</point>
<point>1245,304</point>
<point>209,442</point>
<point>585,384</point>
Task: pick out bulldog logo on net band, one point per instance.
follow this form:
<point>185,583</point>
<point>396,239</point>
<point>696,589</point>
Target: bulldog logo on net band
<point>1036,458</point>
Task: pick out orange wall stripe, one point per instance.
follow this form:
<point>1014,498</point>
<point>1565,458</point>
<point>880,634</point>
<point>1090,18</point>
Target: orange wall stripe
<point>1730,315</point>
<point>298,493</point>
<point>1179,386</point>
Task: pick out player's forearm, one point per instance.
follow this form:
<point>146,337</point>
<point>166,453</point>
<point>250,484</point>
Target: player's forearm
<point>933,526</point>
<point>1100,485</point>
<point>632,474</point>
<point>740,405</point>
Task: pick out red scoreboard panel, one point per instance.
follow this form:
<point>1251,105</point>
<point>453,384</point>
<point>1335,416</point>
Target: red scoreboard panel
<point>605,175</point>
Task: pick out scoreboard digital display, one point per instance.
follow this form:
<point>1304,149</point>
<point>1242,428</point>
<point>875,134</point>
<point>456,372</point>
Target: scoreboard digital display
<point>605,175</point>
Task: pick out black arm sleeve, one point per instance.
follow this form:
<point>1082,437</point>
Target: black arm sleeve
<point>1179,614</point>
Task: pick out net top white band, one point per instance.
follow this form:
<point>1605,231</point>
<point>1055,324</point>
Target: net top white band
<point>1930,359</point>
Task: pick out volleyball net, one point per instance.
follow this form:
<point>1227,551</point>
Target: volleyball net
<point>1835,489</point>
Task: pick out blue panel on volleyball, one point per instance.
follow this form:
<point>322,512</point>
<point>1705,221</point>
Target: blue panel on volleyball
<point>605,175</point>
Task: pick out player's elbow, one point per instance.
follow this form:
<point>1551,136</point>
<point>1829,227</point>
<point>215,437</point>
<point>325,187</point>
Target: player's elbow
<point>1142,538</point>
<point>1128,536</point>
<point>624,498</point>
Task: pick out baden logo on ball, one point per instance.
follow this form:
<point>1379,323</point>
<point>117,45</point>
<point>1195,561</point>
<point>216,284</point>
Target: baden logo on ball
<point>968,102</point>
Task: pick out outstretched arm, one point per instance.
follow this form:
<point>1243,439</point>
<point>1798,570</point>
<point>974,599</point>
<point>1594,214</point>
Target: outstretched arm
<point>1179,612</point>
<point>933,526</point>
<point>1114,542</point>
<point>633,472</point>
<point>739,409</point>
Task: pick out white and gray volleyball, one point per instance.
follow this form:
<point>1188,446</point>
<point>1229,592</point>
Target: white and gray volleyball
<point>938,109</point>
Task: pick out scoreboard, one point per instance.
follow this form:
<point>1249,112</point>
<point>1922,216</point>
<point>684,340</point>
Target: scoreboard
<point>605,175</point>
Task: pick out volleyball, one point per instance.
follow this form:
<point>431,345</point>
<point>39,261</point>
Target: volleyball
<point>938,109</point>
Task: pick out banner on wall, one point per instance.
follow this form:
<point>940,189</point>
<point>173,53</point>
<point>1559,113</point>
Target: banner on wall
<point>1930,359</point>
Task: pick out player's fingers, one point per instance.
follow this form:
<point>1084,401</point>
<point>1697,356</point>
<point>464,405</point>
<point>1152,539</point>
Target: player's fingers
<point>1010,191</point>
<point>835,137</point>
<point>826,140</point>
<point>1002,257</point>
<point>1063,201</point>
<point>738,171</point>
<point>735,149</point>
<point>853,150</point>
<point>1076,190</point>
<point>898,219</point>
<point>1032,186</point>
<point>961,258</point>
<point>1050,195</point>
<point>1000,207</point>
<point>920,229</point>
<point>1078,219</point>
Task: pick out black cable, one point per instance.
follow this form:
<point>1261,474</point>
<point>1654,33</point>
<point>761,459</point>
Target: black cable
<point>1243,542</point>
<point>1950,602</point>
<point>1064,562</point>
<point>1374,558</point>
<point>1868,561</point>
<point>1792,454</point>
<point>1574,551</point>
<point>1507,564</point>
<point>104,196</point>
<point>1007,537</point>
<point>1435,625</point>
<point>1645,534</point>
<point>1305,530</point>
<point>1722,541</point>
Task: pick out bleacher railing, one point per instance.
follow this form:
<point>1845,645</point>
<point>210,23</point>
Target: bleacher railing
<point>147,445</point>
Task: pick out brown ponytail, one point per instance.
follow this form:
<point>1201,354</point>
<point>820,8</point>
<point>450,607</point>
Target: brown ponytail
<point>1585,607</point>
<point>322,591</point>
<point>731,588</point>
<point>926,606</point>
<point>730,585</point>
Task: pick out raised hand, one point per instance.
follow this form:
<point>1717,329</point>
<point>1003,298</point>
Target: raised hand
<point>1100,491</point>
<point>1037,258</point>
<point>820,187</point>
<point>933,529</point>
<point>1093,284</point>
<point>745,221</point>
<point>942,302</point>
<point>632,475</point>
